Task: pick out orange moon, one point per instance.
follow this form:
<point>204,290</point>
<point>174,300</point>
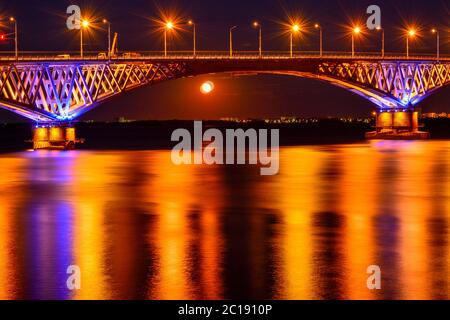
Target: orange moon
<point>207,87</point>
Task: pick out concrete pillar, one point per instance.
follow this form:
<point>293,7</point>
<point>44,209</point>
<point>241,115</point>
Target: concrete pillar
<point>54,137</point>
<point>397,124</point>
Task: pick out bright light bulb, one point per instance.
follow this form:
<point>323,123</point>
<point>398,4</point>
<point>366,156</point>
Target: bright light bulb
<point>169,25</point>
<point>296,28</point>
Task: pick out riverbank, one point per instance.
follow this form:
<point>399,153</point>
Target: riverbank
<point>148,135</point>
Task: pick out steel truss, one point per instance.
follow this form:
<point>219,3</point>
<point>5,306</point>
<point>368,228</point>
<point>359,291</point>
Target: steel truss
<point>393,84</point>
<point>62,91</point>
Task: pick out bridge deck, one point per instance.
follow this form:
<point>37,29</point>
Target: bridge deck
<point>212,56</point>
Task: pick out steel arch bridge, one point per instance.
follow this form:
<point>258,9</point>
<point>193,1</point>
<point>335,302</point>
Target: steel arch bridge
<point>57,91</point>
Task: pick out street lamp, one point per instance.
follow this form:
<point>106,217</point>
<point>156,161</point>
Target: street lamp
<point>294,29</point>
<point>411,34</point>
<point>192,23</point>
<point>231,40</point>
<point>84,25</point>
<point>438,45</point>
<point>356,31</point>
<point>109,37</point>
<point>256,24</point>
<point>318,26</point>
<point>379,28</point>
<point>16,45</point>
<point>169,26</point>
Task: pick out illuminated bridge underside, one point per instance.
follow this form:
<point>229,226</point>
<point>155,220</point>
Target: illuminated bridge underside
<point>62,91</point>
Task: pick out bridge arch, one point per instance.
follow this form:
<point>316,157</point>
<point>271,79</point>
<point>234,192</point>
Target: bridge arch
<point>60,91</point>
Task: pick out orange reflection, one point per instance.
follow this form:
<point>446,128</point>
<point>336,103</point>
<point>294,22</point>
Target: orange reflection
<point>183,194</point>
<point>150,229</point>
<point>92,190</point>
<point>358,203</point>
<point>11,196</point>
<point>295,189</point>
<point>415,208</point>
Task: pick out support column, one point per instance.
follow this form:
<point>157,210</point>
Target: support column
<point>397,124</point>
<point>54,137</point>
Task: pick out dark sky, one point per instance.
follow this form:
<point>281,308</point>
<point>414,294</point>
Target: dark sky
<point>42,28</point>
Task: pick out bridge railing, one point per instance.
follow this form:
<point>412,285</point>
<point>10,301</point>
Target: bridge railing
<point>219,55</point>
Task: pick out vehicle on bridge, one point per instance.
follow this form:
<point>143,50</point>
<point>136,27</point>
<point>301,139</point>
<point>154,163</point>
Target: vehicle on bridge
<point>131,55</point>
<point>63,57</point>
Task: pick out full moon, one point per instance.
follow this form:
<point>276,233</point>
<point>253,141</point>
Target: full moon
<point>207,87</point>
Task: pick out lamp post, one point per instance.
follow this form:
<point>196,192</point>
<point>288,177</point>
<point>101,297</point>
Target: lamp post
<point>294,29</point>
<point>318,26</point>
<point>84,25</point>
<point>168,27</point>
<point>231,40</point>
<point>356,31</point>
<point>438,44</point>
<point>192,23</point>
<point>16,40</point>
<point>109,37</point>
<point>379,28</point>
<point>411,34</point>
<point>258,25</point>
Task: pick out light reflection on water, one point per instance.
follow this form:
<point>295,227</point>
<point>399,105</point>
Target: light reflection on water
<point>142,228</point>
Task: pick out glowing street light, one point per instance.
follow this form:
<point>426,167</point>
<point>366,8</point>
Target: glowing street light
<point>438,45</point>
<point>16,40</point>
<point>294,29</point>
<point>231,40</point>
<point>84,25</point>
<point>105,21</point>
<point>192,23</point>
<point>168,27</point>
<point>379,28</point>
<point>256,24</point>
<point>318,26</point>
<point>356,31</point>
<point>411,34</point>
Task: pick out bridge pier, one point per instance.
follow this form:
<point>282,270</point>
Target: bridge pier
<point>54,137</point>
<point>397,124</point>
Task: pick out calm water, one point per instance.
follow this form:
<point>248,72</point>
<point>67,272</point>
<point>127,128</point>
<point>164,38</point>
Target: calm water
<point>142,228</point>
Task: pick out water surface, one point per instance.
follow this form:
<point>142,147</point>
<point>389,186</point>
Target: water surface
<point>141,228</point>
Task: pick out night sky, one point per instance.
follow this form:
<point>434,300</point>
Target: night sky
<point>42,28</point>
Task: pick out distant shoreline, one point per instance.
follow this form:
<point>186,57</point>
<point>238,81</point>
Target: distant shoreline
<point>154,134</point>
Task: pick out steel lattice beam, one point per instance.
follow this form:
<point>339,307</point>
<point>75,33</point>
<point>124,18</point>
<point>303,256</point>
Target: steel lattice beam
<point>401,84</point>
<point>62,91</point>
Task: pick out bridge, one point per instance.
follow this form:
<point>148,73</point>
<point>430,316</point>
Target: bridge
<point>53,91</point>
